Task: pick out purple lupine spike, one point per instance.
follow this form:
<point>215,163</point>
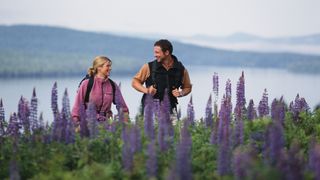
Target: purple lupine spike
<point>127,154</point>
<point>46,134</point>
<point>151,164</point>
<point>156,107</point>
<point>2,119</point>
<point>165,132</point>
<point>190,112</point>
<point>84,131</point>
<point>70,134</point>
<point>13,126</point>
<point>263,107</point>
<point>41,122</point>
<point>66,103</point>
<point>148,117</point>
<point>299,105</point>
<point>215,88</point>
<point>295,163</point>
<point>274,143</point>
<point>34,111</point>
<point>314,159</point>
<point>228,90</point>
<point>251,111</point>
<point>242,163</point>
<point>54,99</point>
<point>224,132</point>
<point>238,135</point>
<point>24,114</point>
<point>241,100</point>
<point>135,139</point>
<point>208,115</point>
<point>92,120</point>
<point>278,110</point>
<point>183,162</point>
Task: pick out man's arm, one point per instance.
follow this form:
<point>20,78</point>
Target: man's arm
<point>140,78</point>
<point>136,84</point>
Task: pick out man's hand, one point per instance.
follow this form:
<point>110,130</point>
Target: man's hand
<point>177,93</point>
<point>151,90</point>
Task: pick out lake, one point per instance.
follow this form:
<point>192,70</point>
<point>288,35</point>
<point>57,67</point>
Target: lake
<point>277,83</point>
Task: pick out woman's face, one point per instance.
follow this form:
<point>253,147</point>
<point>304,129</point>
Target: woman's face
<point>105,69</point>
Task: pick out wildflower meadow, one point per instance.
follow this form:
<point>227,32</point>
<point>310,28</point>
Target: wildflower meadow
<point>270,139</point>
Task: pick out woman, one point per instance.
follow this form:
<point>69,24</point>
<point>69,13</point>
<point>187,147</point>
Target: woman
<point>102,92</point>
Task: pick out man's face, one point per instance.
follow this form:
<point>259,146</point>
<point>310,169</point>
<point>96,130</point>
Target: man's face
<point>159,54</point>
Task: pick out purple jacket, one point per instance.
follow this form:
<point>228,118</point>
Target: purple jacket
<point>101,95</point>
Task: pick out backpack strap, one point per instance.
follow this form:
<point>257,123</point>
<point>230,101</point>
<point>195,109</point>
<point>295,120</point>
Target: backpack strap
<point>89,87</point>
<point>113,85</point>
<point>152,69</point>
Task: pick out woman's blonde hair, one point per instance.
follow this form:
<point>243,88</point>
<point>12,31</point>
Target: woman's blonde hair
<point>97,62</point>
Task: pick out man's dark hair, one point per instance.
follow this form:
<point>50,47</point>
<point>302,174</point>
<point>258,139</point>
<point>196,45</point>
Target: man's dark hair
<point>165,45</point>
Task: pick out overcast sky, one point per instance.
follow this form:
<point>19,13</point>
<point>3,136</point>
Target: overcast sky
<point>268,18</point>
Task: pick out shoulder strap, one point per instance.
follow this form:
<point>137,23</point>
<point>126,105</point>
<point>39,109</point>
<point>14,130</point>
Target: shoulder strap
<point>89,87</point>
<point>152,68</point>
<point>113,85</point>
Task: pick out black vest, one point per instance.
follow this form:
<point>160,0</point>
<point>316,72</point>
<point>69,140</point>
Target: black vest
<point>163,79</point>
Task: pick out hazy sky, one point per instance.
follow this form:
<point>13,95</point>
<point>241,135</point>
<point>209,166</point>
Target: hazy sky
<point>267,18</point>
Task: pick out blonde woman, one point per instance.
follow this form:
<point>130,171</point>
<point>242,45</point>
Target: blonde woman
<point>98,89</point>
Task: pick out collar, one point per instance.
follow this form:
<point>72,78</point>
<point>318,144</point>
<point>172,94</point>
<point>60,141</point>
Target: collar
<point>174,65</point>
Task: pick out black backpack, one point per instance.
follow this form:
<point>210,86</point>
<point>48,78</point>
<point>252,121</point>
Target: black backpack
<point>89,87</point>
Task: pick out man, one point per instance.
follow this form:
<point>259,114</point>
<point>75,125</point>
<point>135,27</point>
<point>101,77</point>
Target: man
<point>166,72</point>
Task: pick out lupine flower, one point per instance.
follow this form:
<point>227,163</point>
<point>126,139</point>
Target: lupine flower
<point>2,119</point>
<point>34,111</point>
<point>151,164</point>
<point>295,163</point>
<point>70,134</point>
<point>54,99</point>
<point>278,110</point>
<point>66,103</point>
<point>56,131</point>
<point>251,111</point>
<point>228,90</point>
<point>242,163</point>
<point>299,105</point>
<point>13,126</point>
<point>148,117</point>
<point>263,107</point>
<point>165,128</point>
<point>190,112</point>
<point>208,116</point>
<point>224,132</point>
<point>183,162</point>
<point>135,139</point>
<point>241,100</point>
<point>127,154</point>
<point>314,159</point>
<point>274,143</point>
<point>24,114</point>
<point>46,134</point>
<point>238,135</point>
<point>41,122</point>
<point>215,80</point>
<point>91,118</point>
<point>84,131</point>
